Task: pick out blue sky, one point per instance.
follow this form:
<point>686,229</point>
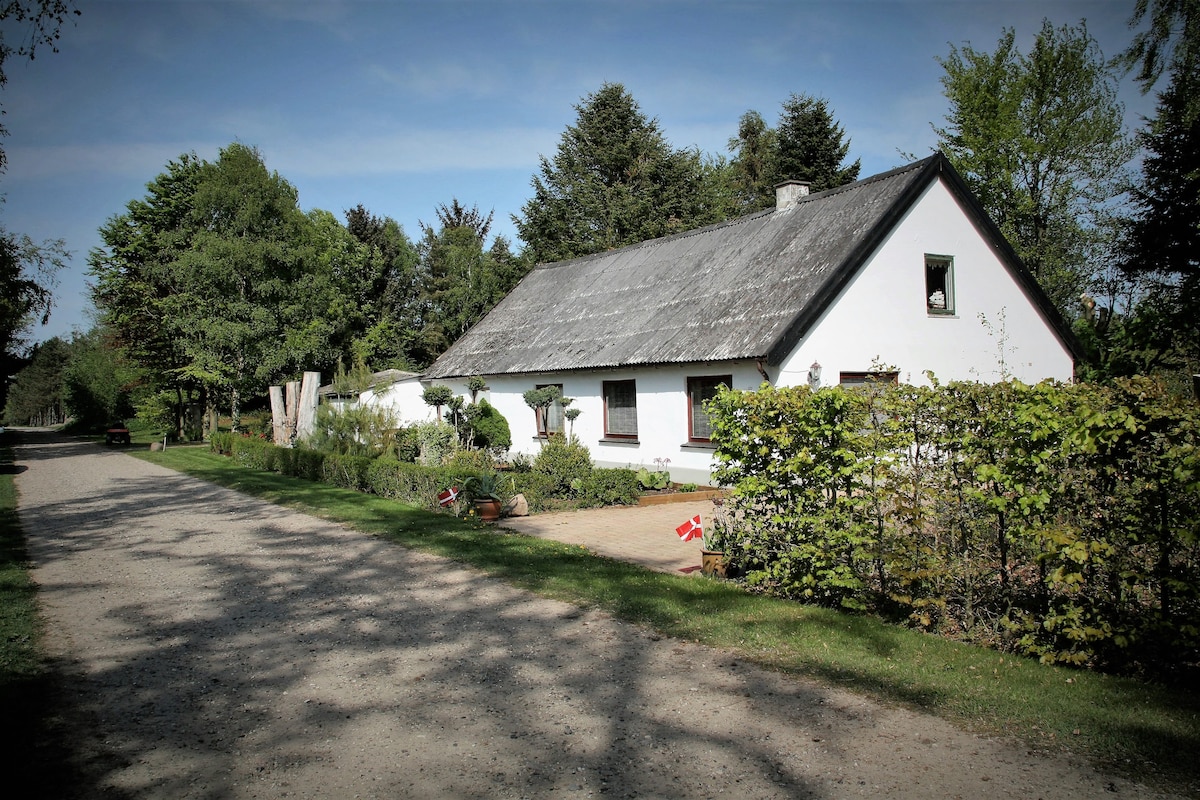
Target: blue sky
<point>405,105</point>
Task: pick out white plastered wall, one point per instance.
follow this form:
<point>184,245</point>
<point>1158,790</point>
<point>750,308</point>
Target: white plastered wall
<point>882,315</point>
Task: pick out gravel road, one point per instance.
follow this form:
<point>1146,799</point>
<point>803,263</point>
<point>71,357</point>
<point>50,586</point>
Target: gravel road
<point>216,646</point>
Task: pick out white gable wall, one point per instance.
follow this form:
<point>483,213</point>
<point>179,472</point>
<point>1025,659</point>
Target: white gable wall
<point>402,398</point>
<point>882,314</point>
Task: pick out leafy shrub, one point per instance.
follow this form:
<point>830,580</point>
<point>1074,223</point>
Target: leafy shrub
<point>606,487</point>
<point>348,472</point>
<point>437,442</point>
<point>357,430</point>
<point>221,442</point>
<point>564,462</point>
<point>1056,521</point>
<point>412,483</point>
<point>472,461</point>
<point>489,426</point>
<point>535,486</point>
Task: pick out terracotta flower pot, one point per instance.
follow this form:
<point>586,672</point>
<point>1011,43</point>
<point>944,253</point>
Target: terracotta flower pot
<point>712,562</point>
<point>488,510</point>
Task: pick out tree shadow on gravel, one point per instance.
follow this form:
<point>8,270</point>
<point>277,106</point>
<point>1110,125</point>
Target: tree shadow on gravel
<point>243,648</point>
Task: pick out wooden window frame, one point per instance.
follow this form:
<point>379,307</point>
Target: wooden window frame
<point>695,386</point>
<point>859,378</point>
<point>629,385</point>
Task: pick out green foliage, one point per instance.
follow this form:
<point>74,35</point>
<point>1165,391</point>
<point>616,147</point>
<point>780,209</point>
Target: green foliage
<point>614,181</point>
<point>563,462</point>
<point>653,479</point>
<point>1039,138</point>
<point>437,396</point>
<point>472,461</point>
<point>1056,521</point>
<point>36,395</point>
<point>27,279</point>
<point>609,487</point>
<point>486,486</point>
<point>1162,241</point>
<point>811,145</point>
<point>357,430</point>
<point>489,428</point>
<point>436,442</point>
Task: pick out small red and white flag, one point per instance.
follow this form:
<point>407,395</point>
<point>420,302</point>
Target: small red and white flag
<point>449,496</point>
<point>692,529</point>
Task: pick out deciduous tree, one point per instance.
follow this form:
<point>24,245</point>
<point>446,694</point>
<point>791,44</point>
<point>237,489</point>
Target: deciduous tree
<point>1040,139</point>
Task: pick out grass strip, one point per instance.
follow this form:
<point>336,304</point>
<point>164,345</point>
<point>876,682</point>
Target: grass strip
<point>1121,724</point>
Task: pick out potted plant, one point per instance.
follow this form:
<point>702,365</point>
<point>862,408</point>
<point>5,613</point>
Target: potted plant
<point>712,546</point>
<point>485,492</point>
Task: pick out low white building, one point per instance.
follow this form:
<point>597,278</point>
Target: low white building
<point>901,269</point>
<point>394,390</point>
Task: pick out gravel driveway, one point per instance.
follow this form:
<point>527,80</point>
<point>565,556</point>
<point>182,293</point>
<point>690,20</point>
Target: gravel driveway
<point>221,647</point>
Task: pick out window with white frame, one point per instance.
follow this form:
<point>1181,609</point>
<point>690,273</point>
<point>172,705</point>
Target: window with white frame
<point>700,389</point>
<point>939,284</point>
<point>620,409</point>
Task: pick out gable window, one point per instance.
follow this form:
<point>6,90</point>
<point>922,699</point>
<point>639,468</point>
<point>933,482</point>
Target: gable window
<point>939,284</point>
<point>699,390</point>
<point>552,420</point>
<point>620,409</point>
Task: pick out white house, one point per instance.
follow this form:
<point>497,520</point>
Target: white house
<point>901,269</point>
<point>395,390</point>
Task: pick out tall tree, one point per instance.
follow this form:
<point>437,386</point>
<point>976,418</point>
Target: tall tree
<point>1163,237</point>
<point>753,169</point>
<point>384,290</point>
<point>27,279</point>
<point>812,146</point>
<point>615,180</point>
<point>1040,139</point>
<point>217,280</point>
<point>459,281</point>
<point>36,397</point>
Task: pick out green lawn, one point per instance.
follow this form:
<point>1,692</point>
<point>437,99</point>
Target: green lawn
<point>1125,725</point>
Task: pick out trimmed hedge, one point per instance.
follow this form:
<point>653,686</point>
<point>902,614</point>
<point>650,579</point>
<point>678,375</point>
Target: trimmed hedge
<point>1059,521</point>
<point>419,485</point>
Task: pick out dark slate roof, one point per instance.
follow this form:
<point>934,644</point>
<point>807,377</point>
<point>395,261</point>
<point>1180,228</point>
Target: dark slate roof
<point>745,289</point>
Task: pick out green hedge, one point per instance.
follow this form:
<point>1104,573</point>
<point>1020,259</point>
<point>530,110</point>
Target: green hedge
<point>1057,521</point>
<point>420,485</point>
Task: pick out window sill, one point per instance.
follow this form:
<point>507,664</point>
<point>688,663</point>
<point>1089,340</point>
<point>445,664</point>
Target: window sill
<point>944,314</point>
<point>610,440</point>
<point>698,446</point>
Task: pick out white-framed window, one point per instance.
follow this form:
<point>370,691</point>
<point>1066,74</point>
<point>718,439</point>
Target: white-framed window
<point>620,409</point>
<point>939,284</point>
<point>700,389</point>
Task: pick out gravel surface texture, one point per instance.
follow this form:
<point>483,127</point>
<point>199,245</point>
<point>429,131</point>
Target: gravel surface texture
<point>215,646</point>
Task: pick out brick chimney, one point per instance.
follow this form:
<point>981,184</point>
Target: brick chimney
<point>788,194</point>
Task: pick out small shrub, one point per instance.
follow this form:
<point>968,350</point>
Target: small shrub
<point>489,426</point>
<point>563,462</point>
<point>607,487</point>
<point>437,442</point>
<point>472,461</point>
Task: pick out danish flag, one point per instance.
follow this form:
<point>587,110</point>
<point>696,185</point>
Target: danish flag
<point>449,496</point>
<point>692,529</point>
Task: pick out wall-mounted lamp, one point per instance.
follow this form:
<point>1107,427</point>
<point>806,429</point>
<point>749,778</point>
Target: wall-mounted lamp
<point>814,376</point>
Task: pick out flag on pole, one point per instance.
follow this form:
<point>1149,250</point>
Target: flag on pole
<point>449,496</point>
<point>692,529</point>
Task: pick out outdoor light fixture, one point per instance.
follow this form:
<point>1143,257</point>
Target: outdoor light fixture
<point>814,376</point>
